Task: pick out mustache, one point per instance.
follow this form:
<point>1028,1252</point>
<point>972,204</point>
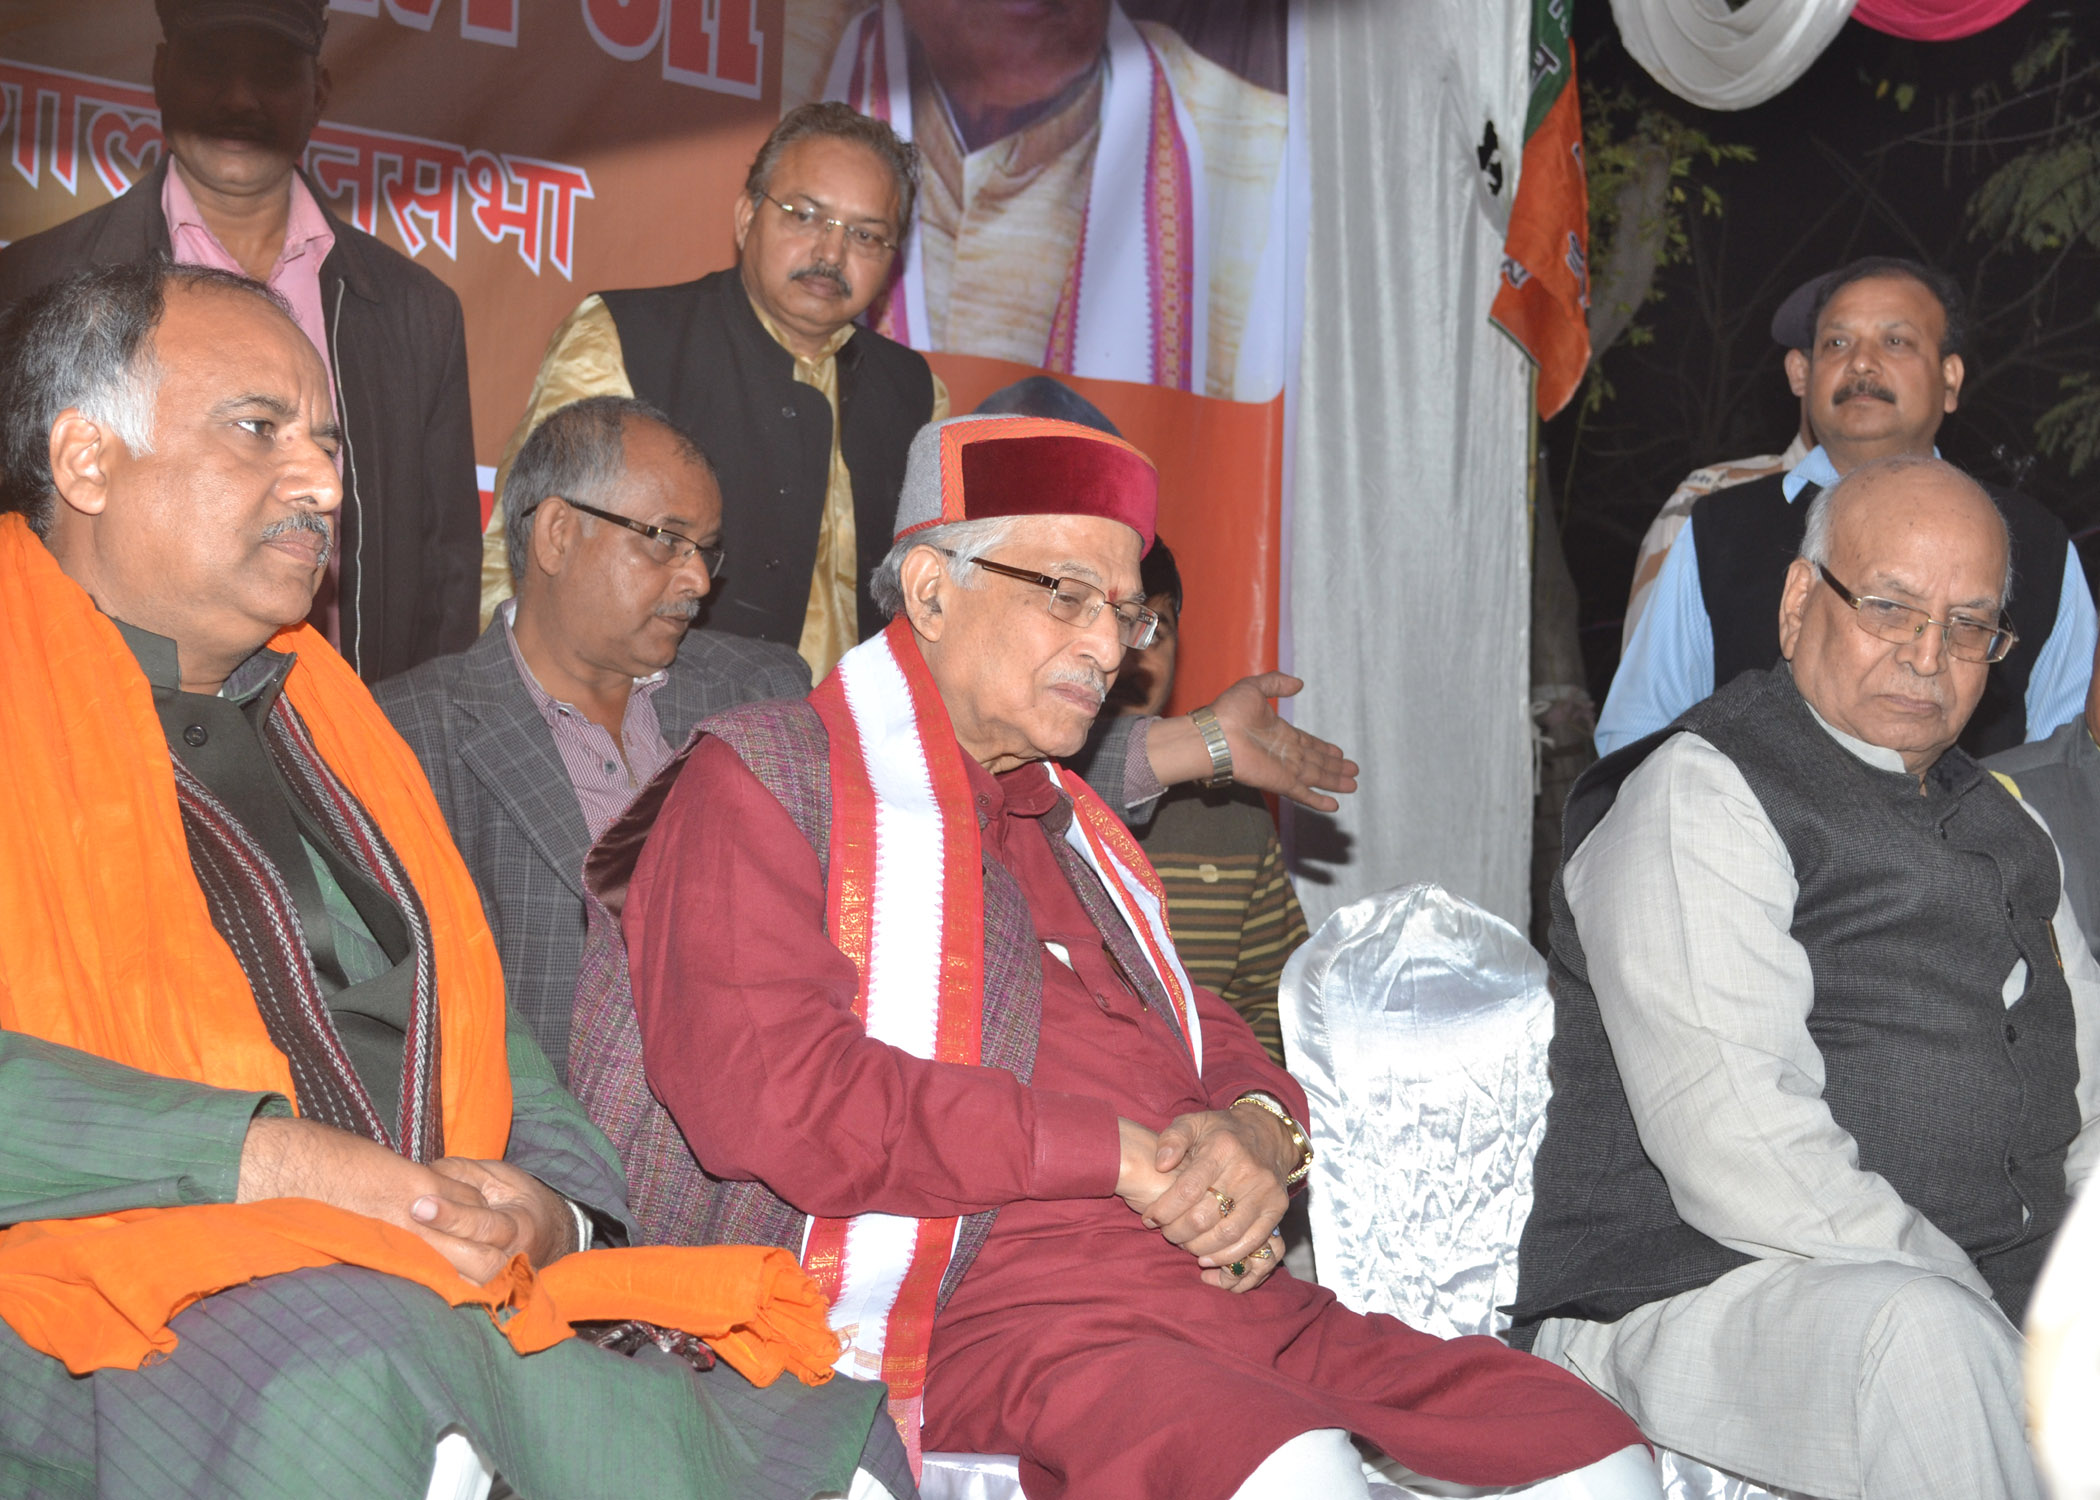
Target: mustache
<point>304,521</point>
<point>680,609</point>
<point>824,270</point>
<point>1863,386</point>
<point>1094,682</point>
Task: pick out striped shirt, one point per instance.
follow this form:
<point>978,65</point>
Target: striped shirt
<point>1229,900</point>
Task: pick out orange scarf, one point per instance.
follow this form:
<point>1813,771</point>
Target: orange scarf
<point>106,946</point>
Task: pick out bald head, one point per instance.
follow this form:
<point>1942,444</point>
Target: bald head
<point>1921,534</point>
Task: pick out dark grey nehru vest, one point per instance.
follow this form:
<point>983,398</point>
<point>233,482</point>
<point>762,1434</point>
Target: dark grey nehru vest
<point>1912,910</point>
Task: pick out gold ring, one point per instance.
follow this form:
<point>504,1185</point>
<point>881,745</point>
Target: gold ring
<point>1224,1202</point>
<point>1238,1268</point>
<point>1265,1253</point>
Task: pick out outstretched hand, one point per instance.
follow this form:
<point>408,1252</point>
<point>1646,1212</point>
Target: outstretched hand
<point>1273,755</point>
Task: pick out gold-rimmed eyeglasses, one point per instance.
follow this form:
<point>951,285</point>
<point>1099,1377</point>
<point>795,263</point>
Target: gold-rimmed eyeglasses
<point>806,221</point>
<point>1078,603</point>
<point>1967,639</point>
<point>665,546</point>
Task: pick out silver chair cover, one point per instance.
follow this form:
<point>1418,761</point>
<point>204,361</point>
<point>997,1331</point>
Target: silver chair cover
<point>1417,1023</point>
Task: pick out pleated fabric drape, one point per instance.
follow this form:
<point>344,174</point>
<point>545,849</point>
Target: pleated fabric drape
<point>1728,59</point>
<point>1409,560</point>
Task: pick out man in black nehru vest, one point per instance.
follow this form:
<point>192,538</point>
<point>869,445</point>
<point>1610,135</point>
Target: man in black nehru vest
<point>1879,367</point>
<point>1826,1059</point>
<point>805,415</point>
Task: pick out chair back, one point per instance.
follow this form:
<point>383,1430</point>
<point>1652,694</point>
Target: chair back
<point>1418,1023</point>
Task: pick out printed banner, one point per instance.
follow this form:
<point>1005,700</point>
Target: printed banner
<point>1103,198</point>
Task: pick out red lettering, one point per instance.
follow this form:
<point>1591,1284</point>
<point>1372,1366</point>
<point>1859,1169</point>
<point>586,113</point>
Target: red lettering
<point>627,29</point>
<point>715,44</point>
<point>490,21</point>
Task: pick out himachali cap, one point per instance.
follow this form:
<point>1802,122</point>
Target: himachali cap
<point>977,468</point>
<point>300,22</point>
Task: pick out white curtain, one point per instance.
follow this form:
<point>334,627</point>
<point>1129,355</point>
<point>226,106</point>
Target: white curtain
<point>1409,562</point>
<point>1728,59</point>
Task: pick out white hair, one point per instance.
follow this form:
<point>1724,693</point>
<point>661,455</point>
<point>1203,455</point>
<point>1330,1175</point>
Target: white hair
<point>965,541</point>
<point>1815,534</point>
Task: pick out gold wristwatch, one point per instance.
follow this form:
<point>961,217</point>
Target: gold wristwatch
<point>1275,1107</point>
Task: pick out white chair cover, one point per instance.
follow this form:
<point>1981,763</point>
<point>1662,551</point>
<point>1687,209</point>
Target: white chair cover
<point>1417,1023</point>
<point>970,1476</point>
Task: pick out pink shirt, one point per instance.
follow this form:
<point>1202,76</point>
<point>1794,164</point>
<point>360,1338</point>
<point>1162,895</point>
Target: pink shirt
<point>297,275</point>
<point>297,278</point>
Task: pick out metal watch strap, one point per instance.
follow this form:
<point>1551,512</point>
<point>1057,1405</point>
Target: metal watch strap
<point>1213,733</point>
<point>1274,1106</point>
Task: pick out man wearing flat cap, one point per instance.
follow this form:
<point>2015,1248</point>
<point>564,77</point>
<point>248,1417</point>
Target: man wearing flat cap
<point>1874,353</point>
<point>241,87</point>
<point>897,992</point>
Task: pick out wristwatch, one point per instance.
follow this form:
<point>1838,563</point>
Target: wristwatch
<point>1206,722</point>
<point>1274,1106</point>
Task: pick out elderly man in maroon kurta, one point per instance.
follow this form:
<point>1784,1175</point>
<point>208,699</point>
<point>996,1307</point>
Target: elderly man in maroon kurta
<point>903,999</point>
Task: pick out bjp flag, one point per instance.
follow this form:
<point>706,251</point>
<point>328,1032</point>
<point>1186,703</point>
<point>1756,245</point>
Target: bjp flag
<point>1544,300</point>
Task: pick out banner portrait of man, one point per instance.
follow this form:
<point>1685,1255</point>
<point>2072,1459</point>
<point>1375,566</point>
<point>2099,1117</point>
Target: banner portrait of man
<point>1101,198</point>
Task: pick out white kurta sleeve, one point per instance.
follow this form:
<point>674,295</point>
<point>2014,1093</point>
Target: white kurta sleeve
<point>1684,898</point>
<point>2082,974</point>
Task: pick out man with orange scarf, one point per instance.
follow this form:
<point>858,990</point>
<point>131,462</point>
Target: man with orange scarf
<point>907,1003</point>
<point>292,1207</point>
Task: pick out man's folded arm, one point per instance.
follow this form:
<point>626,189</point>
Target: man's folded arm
<point>751,1041</point>
<point>553,1139</point>
<point>1234,1062</point>
<point>81,1135</point>
<point>1684,898</point>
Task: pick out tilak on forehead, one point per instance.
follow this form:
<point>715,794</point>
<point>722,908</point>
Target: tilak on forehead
<point>978,468</point>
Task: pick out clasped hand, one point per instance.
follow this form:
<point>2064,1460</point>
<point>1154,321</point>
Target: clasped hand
<point>1181,1180</point>
<point>477,1214</point>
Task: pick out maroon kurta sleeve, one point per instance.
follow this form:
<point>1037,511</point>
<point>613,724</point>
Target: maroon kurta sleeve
<point>746,1012</point>
<point>1234,1061</point>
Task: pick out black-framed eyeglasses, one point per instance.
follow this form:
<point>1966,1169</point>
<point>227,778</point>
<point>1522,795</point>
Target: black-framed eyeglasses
<point>1078,603</point>
<point>808,222</point>
<point>665,546</point>
<point>1886,620</point>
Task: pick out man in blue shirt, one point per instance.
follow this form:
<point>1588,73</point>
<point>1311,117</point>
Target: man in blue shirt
<point>1879,376</point>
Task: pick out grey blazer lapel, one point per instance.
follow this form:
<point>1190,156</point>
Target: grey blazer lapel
<point>510,750</point>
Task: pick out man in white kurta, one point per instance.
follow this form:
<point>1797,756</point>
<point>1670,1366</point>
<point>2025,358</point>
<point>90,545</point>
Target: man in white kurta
<point>1819,1106</point>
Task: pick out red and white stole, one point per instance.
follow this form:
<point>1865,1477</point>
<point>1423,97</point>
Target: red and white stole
<point>1135,303</point>
<point>905,901</point>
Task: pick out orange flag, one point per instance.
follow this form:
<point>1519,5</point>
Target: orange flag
<point>1544,300</point>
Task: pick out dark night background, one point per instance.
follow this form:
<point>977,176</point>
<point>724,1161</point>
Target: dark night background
<point>1841,170</point>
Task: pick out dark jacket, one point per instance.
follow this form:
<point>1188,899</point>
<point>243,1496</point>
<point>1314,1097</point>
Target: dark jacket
<point>1912,910</point>
<point>410,532</point>
<point>512,810</point>
<point>698,351</point>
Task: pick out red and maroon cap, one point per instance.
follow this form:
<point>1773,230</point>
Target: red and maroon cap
<point>977,468</point>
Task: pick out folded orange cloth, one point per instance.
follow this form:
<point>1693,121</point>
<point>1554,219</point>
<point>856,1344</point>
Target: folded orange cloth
<point>100,1292</point>
<point>106,945</point>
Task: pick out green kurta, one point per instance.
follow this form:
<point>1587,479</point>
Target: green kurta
<point>340,1381</point>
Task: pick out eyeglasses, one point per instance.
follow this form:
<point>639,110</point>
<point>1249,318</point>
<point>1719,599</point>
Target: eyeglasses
<point>666,547</point>
<point>805,222</point>
<point>1080,604</point>
<point>1886,620</point>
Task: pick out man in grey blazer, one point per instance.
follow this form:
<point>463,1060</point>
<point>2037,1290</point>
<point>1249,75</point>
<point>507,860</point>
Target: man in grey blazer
<point>538,734</point>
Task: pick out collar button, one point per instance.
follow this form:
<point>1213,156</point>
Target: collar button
<point>195,736</point>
